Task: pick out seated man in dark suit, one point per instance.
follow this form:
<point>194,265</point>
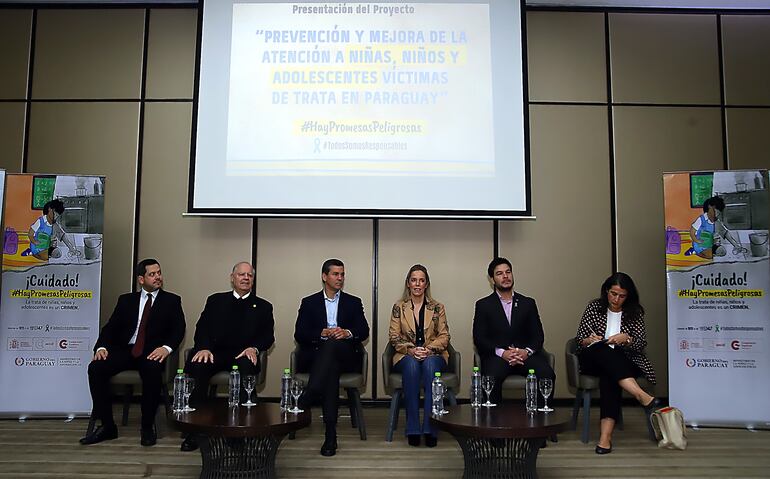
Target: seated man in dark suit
<point>329,330</point>
<point>233,328</point>
<point>507,331</point>
<point>144,329</point>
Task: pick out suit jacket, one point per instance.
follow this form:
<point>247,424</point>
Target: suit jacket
<point>311,319</point>
<point>491,329</point>
<point>228,327</point>
<point>402,332</point>
<point>165,326</point>
<point>595,319</point>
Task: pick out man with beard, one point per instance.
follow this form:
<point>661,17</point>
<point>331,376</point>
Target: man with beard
<point>144,329</point>
<point>507,331</point>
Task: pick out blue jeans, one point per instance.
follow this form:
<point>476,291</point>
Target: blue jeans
<point>415,372</point>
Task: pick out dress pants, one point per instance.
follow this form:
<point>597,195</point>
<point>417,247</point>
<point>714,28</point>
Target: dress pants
<point>498,368</point>
<point>610,365</point>
<point>118,360</point>
<point>414,373</point>
<point>332,358</point>
<point>224,361</point>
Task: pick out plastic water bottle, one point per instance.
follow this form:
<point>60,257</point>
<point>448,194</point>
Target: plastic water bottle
<point>476,387</point>
<point>437,394</point>
<point>179,390</point>
<point>234,397</point>
<point>286,389</point>
<point>531,391</point>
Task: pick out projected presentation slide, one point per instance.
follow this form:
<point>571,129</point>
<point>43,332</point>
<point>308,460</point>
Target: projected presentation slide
<point>360,99</point>
<point>371,97</point>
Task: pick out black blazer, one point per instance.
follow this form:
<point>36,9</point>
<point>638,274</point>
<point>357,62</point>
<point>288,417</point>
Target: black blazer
<point>491,329</point>
<point>228,327</point>
<point>165,327</point>
<point>311,319</point>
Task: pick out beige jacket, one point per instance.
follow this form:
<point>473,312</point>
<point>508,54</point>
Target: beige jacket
<point>402,329</point>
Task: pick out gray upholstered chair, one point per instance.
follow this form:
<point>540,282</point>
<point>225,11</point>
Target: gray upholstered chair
<point>127,380</point>
<point>352,383</point>
<point>583,386</point>
<point>394,384</point>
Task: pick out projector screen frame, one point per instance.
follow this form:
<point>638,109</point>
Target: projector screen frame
<point>362,213</point>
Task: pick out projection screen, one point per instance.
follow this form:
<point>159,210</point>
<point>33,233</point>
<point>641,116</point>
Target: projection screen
<point>361,109</point>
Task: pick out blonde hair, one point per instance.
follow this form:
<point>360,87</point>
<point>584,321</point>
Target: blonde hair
<point>407,294</point>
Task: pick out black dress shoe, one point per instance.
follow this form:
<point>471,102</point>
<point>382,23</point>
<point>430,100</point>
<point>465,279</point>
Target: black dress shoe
<point>430,441</point>
<point>603,450</point>
<point>189,443</point>
<point>101,433</point>
<point>329,448</point>
<point>413,439</point>
<point>149,437</point>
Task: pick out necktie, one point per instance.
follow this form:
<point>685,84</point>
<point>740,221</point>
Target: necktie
<point>138,348</point>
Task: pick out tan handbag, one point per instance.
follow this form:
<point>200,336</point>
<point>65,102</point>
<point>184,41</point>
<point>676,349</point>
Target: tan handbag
<point>668,423</point>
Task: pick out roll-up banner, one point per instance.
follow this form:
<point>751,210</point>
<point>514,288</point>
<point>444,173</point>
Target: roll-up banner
<point>718,276</point>
<point>51,282</point>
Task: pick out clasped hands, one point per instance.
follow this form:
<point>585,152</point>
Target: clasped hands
<point>206,356</point>
<point>515,356</point>
<point>419,353</point>
<point>335,333</point>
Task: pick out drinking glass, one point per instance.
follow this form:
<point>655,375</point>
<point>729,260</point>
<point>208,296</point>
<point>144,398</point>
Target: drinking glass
<point>188,386</point>
<point>488,383</point>
<point>296,391</point>
<point>248,384</point>
<point>546,386</point>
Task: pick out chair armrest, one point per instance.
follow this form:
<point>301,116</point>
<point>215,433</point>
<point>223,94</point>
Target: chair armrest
<point>551,359</point>
<point>572,363</point>
<point>387,365</point>
<point>364,365</point>
<point>293,361</point>
<point>262,376</point>
<point>455,362</point>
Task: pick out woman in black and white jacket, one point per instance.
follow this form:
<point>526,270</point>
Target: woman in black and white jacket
<point>611,339</point>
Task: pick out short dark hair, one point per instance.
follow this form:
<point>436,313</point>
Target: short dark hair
<point>495,263</point>
<point>631,304</point>
<point>141,267</point>
<point>715,201</point>
<point>327,266</point>
<point>55,205</point>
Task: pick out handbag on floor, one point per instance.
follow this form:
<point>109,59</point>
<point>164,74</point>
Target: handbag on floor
<point>668,423</point>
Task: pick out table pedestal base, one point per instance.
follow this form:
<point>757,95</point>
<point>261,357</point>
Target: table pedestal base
<point>238,458</point>
<point>488,458</point>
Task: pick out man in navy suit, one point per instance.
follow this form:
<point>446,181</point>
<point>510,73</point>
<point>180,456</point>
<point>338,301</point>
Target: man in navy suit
<point>144,329</point>
<point>507,331</point>
<point>329,330</point>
